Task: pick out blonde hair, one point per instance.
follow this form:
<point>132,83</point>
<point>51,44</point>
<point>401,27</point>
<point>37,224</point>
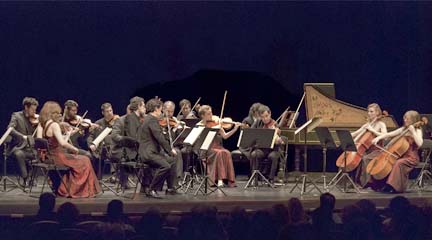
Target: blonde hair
<point>203,109</point>
<point>47,112</point>
<point>413,115</point>
<point>377,108</point>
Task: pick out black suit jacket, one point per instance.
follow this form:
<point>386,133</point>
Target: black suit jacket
<point>22,126</point>
<point>121,141</point>
<point>152,140</point>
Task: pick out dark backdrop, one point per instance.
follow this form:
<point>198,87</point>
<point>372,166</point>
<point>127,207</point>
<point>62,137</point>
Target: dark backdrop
<point>103,51</point>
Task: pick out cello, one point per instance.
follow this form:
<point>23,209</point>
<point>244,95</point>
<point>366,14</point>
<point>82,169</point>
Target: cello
<point>363,143</point>
<point>381,166</point>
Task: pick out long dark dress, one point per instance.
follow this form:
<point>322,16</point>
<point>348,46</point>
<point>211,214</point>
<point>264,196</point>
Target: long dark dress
<point>82,180</point>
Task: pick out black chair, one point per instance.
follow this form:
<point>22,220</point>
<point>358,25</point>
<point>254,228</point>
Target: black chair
<point>46,164</point>
<point>42,230</point>
<point>73,234</point>
<point>424,165</point>
<point>88,226</point>
<point>140,170</point>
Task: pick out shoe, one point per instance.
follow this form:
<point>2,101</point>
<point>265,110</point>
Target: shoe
<point>153,194</point>
<point>220,183</point>
<point>170,191</point>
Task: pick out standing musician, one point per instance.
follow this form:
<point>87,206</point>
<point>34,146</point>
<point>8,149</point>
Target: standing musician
<point>80,133</point>
<point>375,126</point>
<point>186,111</point>
<point>272,155</point>
<point>220,165</point>
<point>156,151</point>
<point>410,138</point>
<point>24,124</point>
<point>169,122</point>
<point>100,152</point>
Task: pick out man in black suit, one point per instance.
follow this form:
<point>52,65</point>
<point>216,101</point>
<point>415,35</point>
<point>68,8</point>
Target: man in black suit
<point>156,151</point>
<point>22,132</point>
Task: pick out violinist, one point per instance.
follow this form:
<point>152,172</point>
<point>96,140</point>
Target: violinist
<point>220,165</point>
<point>375,126</point>
<point>156,151</point>
<point>272,155</point>
<point>108,120</point>
<point>411,131</point>
<point>24,124</point>
<point>252,117</point>
<point>186,111</point>
<point>169,122</point>
<point>77,138</point>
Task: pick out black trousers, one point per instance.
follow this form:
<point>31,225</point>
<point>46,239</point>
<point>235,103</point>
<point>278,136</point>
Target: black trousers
<point>164,169</point>
<point>23,156</point>
<point>257,157</point>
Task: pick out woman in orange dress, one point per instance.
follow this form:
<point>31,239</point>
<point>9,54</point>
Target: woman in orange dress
<point>81,180</point>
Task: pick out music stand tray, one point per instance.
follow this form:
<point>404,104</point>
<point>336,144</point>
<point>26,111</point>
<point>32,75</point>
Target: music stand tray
<point>326,140</point>
<point>304,179</point>
<point>257,138</point>
<point>346,144</point>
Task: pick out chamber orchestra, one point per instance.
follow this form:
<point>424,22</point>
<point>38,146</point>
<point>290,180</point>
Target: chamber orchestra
<point>153,132</point>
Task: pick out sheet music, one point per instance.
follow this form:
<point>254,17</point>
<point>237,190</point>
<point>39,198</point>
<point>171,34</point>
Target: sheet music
<point>208,140</point>
<point>101,136</point>
<point>193,135</point>
<point>5,135</point>
<point>240,138</point>
<point>275,137</point>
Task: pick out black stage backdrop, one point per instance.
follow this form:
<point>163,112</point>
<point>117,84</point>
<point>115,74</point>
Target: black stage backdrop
<point>262,51</point>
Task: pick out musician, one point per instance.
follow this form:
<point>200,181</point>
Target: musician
<point>125,136</point>
<point>253,115</point>
<point>168,112</point>
<point>108,120</point>
<point>398,177</point>
<point>23,129</point>
<point>272,155</point>
<point>81,180</point>
<point>375,125</point>
<point>156,151</point>
<point>220,165</point>
<point>186,110</point>
<point>78,137</point>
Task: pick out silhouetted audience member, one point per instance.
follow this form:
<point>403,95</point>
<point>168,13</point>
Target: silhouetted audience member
<point>115,215</point>
<point>323,220</point>
<point>280,215</point>
<point>298,226</point>
<point>150,225</point>
<point>46,207</point>
<point>67,215</point>
<point>369,212</point>
<point>238,224</point>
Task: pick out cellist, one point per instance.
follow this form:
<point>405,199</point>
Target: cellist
<point>398,177</point>
<point>377,127</point>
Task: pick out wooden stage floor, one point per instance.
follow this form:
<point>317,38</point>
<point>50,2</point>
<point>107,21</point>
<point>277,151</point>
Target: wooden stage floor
<point>20,203</point>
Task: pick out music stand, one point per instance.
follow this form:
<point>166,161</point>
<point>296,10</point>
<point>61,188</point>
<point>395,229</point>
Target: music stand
<point>203,143</point>
<point>257,138</point>
<point>326,141</point>
<point>304,178</point>
<point>5,178</point>
<point>346,144</point>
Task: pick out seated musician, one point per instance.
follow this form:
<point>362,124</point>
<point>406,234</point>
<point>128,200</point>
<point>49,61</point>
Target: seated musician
<point>125,136</point>
<point>156,151</point>
<point>272,155</point>
<point>24,124</point>
<point>186,111</point>
<point>175,127</point>
<point>220,165</point>
<point>376,126</point>
<point>397,180</point>
<point>252,117</point>
<point>78,134</point>
<point>100,152</point>
<point>82,180</point>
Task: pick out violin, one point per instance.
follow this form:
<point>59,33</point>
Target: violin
<point>34,120</point>
<point>226,123</point>
<point>381,166</point>
<point>164,122</point>
<point>363,143</point>
<point>113,119</point>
